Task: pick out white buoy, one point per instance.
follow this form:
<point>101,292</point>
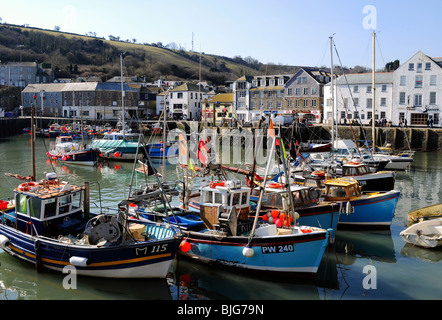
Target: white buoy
<point>348,208</point>
<point>78,261</point>
<point>248,252</point>
<point>4,241</point>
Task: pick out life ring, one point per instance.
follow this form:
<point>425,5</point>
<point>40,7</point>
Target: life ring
<point>27,186</point>
<point>217,184</point>
<point>319,173</point>
<point>276,185</point>
<point>344,161</point>
<point>355,163</point>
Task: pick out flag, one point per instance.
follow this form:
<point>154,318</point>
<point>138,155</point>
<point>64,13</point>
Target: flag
<point>283,150</point>
<point>202,152</point>
<point>183,145</point>
<point>271,131</point>
<point>191,167</point>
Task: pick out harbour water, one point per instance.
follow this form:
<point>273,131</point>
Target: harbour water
<point>362,265</point>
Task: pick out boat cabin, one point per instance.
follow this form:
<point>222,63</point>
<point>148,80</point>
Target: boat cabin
<point>46,207</point>
<point>276,197</point>
<point>355,168</point>
<point>223,197</point>
<point>119,136</point>
<point>341,189</point>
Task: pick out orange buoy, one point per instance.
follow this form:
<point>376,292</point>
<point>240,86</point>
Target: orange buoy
<point>276,185</point>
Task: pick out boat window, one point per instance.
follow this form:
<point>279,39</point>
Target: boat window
<point>207,196</point>
<point>120,138</point>
<point>306,196</point>
<point>297,198</point>
<point>64,204</point>
<point>236,198</point>
<point>244,199</point>
<point>50,208</point>
<point>363,170</point>
<point>76,200</point>
<point>336,192</point>
<point>353,191</point>
<point>218,197</point>
<point>35,207</point>
<point>22,203</point>
<point>229,202</point>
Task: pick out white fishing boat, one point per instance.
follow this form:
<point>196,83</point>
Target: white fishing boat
<point>426,234</point>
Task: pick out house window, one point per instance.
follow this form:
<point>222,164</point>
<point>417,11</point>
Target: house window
<point>355,89</point>
<point>278,104</point>
<point>281,81</point>
<point>314,90</point>
<point>255,83</point>
<point>383,102</point>
<point>314,103</point>
<point>297,91</point>
<point>419,67</point>
<point>418,100</point>
<point>403,81</point>
<point>432,97</point>
<point>305,103</point>
<point>306,91</point>
<point>384,88</point>
<point>433,80</point>
<point>180,95</point>
<point>356,100</point>
<point>290,91</point>
<point>369,103</point>
<point>411,66</point>
<point>428,66</point>
<point>368,89</point>
<point>419,80</point>
<point>401,97</point>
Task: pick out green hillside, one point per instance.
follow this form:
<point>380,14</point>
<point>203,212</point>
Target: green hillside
<point>72,55</point>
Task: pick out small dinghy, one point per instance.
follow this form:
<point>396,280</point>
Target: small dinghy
<point>426,234</point>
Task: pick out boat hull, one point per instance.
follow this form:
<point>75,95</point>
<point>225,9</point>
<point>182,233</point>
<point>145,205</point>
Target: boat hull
<point>284,254</point>
<point>86,158</point>
<point>426,234</point>
<point>144,259</point>
<point>375,210</point>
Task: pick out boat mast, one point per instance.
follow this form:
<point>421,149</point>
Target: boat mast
<point>333,98</point>
<point>122,96</point>
<point>373,117</point>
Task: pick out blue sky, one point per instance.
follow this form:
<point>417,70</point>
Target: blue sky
<point>287,32</point>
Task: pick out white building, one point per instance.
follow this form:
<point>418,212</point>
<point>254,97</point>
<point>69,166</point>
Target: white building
<point>418,91</point>
<point>185,101</point>
<point>354,98</point>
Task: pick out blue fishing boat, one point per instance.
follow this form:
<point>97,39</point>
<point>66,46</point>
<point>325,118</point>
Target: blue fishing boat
<point>52,227</point>
<point>156,151</point>
<point>237,238</point>
<point>370,209</point>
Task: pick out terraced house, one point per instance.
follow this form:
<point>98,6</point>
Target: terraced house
<point>304,93</point>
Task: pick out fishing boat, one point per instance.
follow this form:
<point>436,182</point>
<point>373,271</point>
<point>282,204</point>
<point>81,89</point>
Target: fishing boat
<point>69,152</point>
<point>426,234</point>
<point>117,145</point>
<point>400,161</point>
<point>52,227</point>
<point>369,181</point>
<point>236,238</point>
<point>368,209</point>
<point>156,150</point>
<point>309,211</point>
<point>425,213</point>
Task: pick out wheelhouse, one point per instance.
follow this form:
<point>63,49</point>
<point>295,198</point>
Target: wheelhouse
<point>46,207</point>
<point>341,189</point>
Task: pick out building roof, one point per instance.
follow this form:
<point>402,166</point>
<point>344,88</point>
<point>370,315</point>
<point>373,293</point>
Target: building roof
<point>189,87</point>
<point>221,98</point>
<point>365,78</point>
